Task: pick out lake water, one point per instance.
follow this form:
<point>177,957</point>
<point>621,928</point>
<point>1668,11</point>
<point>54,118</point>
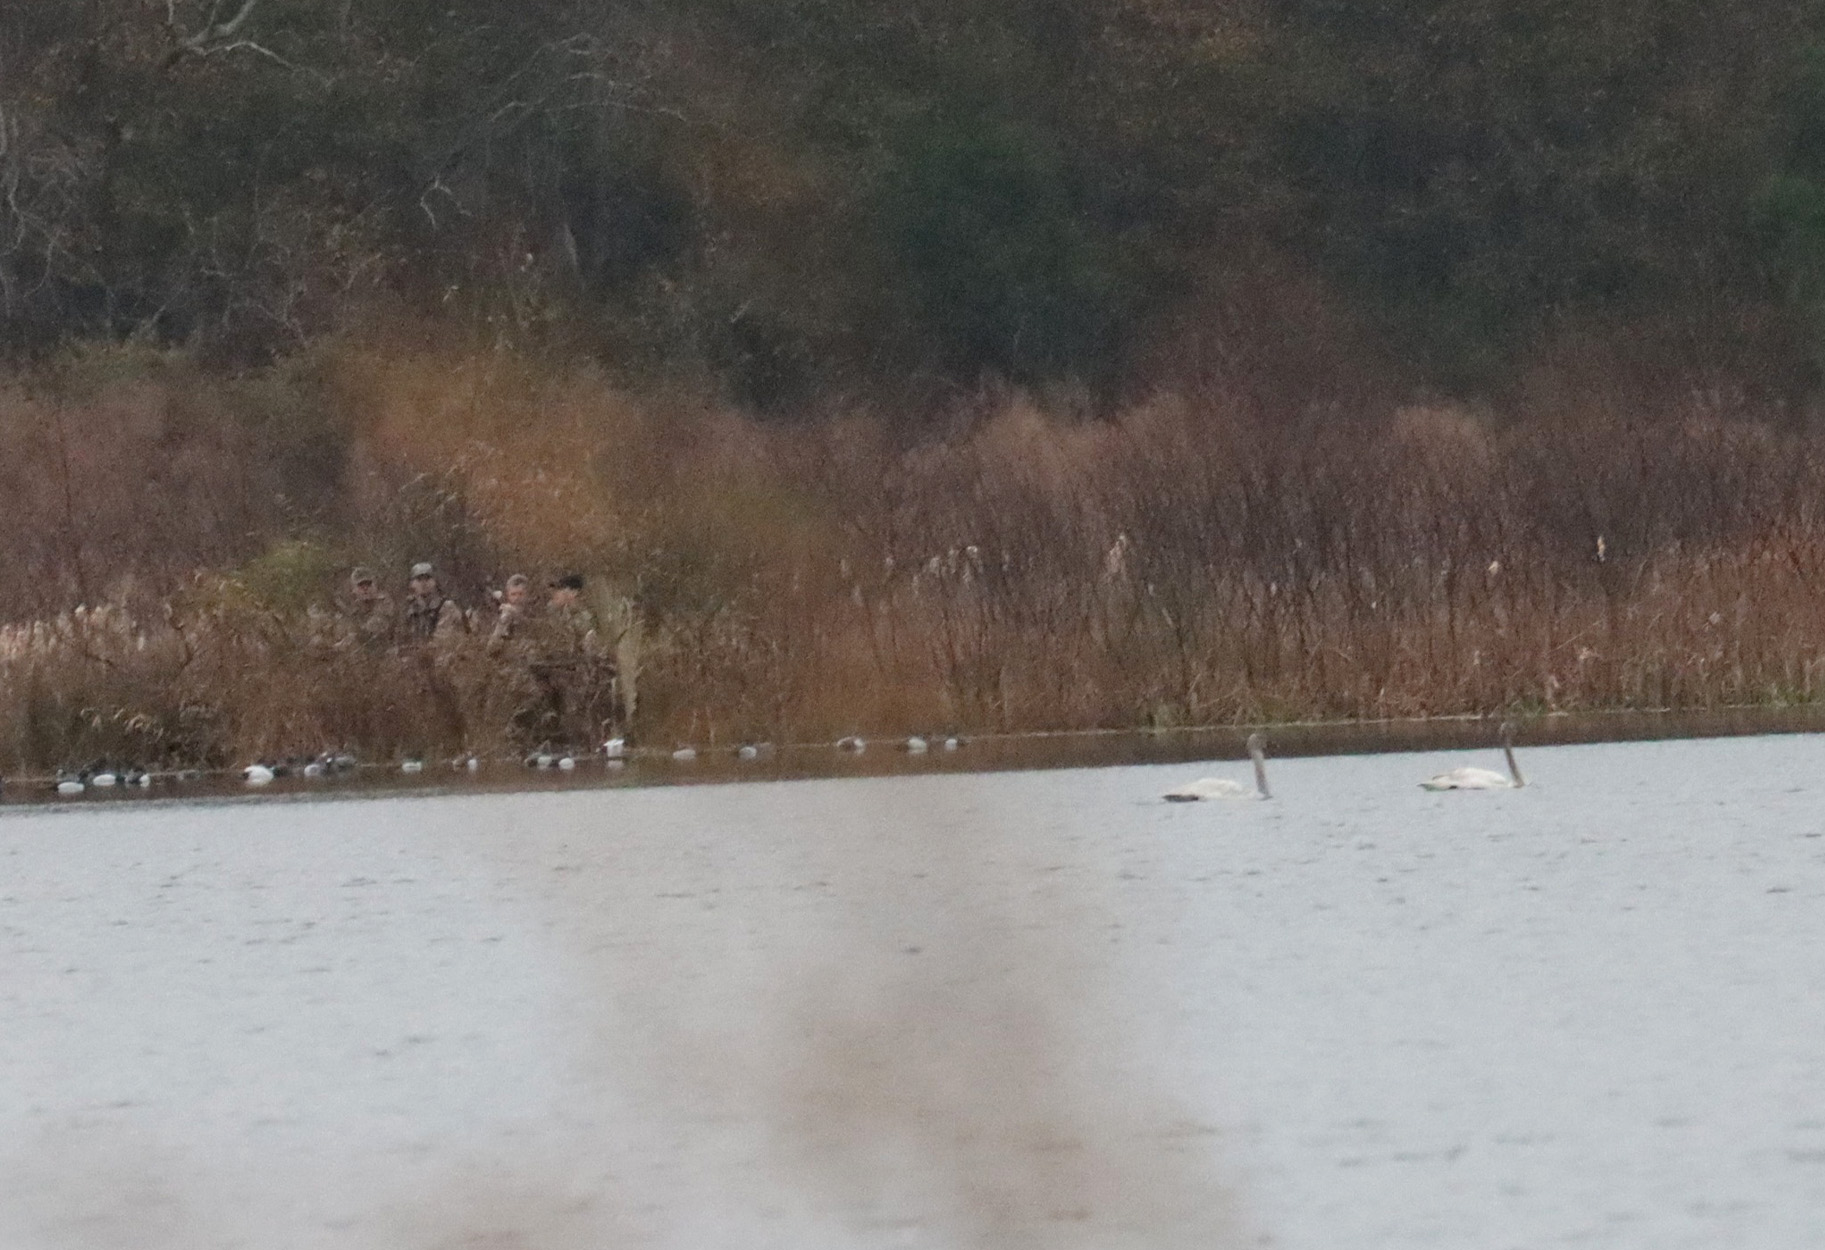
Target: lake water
<point>1014,1009</point>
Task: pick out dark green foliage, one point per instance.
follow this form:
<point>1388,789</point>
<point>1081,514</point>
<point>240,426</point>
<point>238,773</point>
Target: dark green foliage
<point>1005,266</point>
<point>1793,203</point>
<point>1487,167</point>
<point>806,196</point>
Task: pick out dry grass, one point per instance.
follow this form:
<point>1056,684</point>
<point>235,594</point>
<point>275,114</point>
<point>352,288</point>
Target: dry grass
<point>1188,561</point>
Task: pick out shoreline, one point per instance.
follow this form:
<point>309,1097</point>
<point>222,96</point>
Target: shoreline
<point>1015,751</point>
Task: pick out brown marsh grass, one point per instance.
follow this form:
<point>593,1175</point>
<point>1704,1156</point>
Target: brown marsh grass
<point>1192,559</point>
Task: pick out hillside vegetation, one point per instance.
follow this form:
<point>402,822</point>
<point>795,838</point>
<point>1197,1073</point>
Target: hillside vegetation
<point>801,203</point>
<point>970,363</point>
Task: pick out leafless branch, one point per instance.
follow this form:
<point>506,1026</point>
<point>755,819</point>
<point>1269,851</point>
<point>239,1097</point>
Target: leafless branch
<point>220,34</point>
<point>215,30</point>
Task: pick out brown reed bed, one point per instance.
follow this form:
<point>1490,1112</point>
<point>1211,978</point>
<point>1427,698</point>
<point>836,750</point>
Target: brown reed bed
<point>1187,561</point>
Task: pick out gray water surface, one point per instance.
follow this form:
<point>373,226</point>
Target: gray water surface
<point>1034,1009</point>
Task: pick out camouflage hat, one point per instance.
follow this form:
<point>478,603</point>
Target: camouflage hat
<point>423,569</point>
<point>359,574</point>
<point>570,581</point>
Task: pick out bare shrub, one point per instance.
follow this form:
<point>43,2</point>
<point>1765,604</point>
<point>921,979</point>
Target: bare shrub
<point>1188,560</point>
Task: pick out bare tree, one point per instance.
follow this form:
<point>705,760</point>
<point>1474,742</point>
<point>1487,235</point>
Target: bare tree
<point>219,33</point>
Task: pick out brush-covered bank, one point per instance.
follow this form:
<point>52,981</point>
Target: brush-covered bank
<point>174,536</point>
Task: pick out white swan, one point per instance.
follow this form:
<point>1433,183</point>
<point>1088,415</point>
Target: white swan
<point>1223,787</point>
<point>1482,778</point>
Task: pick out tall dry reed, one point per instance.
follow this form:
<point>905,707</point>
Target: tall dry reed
<point>1193,559</point>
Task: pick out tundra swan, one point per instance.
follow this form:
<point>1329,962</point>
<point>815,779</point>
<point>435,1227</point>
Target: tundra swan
<point>1482,778</point>
<point>1223,787</point>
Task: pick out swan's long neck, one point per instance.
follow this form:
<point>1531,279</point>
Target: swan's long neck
<point>1514,769</point>
<point>1254,752</point>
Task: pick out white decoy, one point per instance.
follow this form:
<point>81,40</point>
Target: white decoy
<point>685,755</point>
<point>104,778</point>
<point>917,745</point>
<point>258,774</point>
<point>748,752</point>
<point>1482,778</point>
<point>1223,787</point>
<point>68,786</point>
<point>472,764</point>
<point>951,744</point>
<point>314,769</point>
<point>567,763</point>
<point>615,748</point>
<point>852,742</point>
<point>412,766</point>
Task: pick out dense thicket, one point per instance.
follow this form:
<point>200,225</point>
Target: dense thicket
<point>794,199</point>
